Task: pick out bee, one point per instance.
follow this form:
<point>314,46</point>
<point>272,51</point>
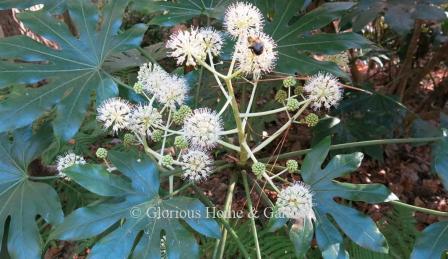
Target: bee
<point>256,45</point>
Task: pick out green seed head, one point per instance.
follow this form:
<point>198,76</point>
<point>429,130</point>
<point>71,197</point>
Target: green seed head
<point>281,96</point>
<point>180,115</point>
<point>292,166</point>
<point>298,90</point>
<point>180,142</point>
<point>167,160</point>
<point>258,169</point>
<point>289,82</point>
<point>138,88</point>
<point>292,104</point>
<point>311,120</point>
<point>157,135</point>
<point>101,153</point>
<point>128,139</point>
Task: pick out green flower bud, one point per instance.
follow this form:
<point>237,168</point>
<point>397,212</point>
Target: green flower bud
<point>311,120</point>
<point>101,153</point>
<point>128,139</point>
<point>258,169</point>
<point>157,135</point>
<point>167,160</point>
<point>292,104</point>
<point>180,142</point>
<point>180,115</point>
<point>138,88</point>
<point>289,82</point>
<point>292,166</point>
<point>281,96</point>
<point>298,90</point>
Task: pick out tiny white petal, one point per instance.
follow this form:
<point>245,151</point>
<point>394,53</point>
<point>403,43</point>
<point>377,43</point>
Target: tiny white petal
<point>197,165</point>
<point>242,17</point>
<point>296,201</point>
<point>202,128</point>
<point>323,90</point>
<point>115,113</point>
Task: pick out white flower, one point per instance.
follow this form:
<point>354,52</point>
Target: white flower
<point>187,46</point>
<point>212,40</point>
<point>144,118</point>
<point>174,92</point>
<point>251,63</point>
<point>115,113</point>
<point>152,77</point>
<point>68,160</point>
<point>296,202</point>
<point>202,128</point>
<point>197,165</point>
<point>323,90</point>
<point>241,17</point>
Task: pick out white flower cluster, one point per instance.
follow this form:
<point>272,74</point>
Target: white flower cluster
<point>296,202</point>
<point>323,90</point>
<point>67,160</point>
<point>114,113</point>
<point>144,119</point>
<point>197,165</point>
<point>254,51</point>
<point>193,45</point>
<point>202,128</point>
<point>167,89</point>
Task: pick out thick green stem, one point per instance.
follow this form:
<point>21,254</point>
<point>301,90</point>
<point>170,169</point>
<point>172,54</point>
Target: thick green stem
<point>359,144</point>
<point>251,216</point>
<point>420,209</point>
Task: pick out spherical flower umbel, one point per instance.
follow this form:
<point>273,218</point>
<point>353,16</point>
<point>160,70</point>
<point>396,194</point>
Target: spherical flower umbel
<point>202,128</point>
<point>296,202</point>
<point>323,90</point>
<point>211,40</point>
<point>152,78</point>
<point>187,46</point>
<point>115,113</point>
<point>101,153</point>
<point>144,118</point>
<point>174,92</point>
<point>67,160</point>
<point>242,17</point>
<point>197,165</point>
<point>255,64</point>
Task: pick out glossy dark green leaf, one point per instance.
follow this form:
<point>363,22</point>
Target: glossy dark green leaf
<point>141,210</point>
<point>288,32</point>
<point>360,228</point>
<point>301,234</point>
<point>433,242</point>
<point>97,179</point>
<point>328,238</point>
<point>49,5</point>
<point>440,158</point>
<point>181,11</point>
<point>22,199</point>
<point>72,73</point>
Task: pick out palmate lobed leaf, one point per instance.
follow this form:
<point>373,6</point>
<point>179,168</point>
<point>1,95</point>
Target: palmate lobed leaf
<point>73,72</point>
<point>433,242</point>
<point>134,207</point>
<point>358,227</point>
<point>21,199</point>
<point>180,11</point>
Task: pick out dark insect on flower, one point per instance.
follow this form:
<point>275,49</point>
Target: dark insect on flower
<point>256,45</point>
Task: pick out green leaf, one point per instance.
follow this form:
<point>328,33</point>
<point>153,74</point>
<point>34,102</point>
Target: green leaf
<point>440,158</point>
<point>97,179</point>
<point>137,211</point>
<point>360,228</point>
<point>72,73</point>
<point>301,234</point>
<point>49,5</point>
<point>433,242</point>
<point>180,11</point>
<point>288,31</point>
<point>23,200</point>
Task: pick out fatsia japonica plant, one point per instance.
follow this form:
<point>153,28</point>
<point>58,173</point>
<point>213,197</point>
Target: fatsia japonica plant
<point>138,188</point>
